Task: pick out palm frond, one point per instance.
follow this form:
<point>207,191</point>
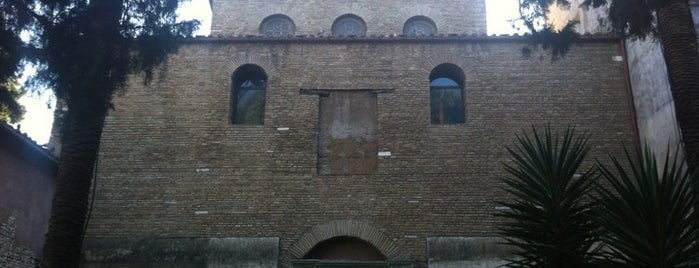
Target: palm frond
<point>548,222</point>
<point>647,212</point>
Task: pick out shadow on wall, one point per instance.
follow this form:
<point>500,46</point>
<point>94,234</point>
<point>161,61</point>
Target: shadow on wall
<point>27,174</point>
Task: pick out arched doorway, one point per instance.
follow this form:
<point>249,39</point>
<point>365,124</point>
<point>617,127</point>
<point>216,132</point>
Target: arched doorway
<point>345,248</point>
<point>345,244</point>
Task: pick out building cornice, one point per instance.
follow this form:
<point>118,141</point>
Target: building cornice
<point>450,38</point>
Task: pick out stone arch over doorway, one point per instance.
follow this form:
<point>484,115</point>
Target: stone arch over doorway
<point>345,228</point>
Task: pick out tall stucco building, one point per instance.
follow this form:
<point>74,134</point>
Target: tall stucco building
<point>338,134</point>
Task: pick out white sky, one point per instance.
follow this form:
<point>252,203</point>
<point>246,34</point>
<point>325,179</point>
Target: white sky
<point>39,118</point>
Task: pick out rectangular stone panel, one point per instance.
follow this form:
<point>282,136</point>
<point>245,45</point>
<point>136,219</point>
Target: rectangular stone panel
<point>458,252</point>
<point>239,252</point>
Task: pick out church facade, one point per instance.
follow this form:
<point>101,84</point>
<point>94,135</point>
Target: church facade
<point>338,134</point>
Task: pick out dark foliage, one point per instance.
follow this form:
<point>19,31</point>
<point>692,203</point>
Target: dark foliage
<point>10,56</point>
<point>10,110</point>
<point>85,51</point>
<point>559,42</point>
<point>548,222</point>
<point>647,213</point>
<point>533,15</point>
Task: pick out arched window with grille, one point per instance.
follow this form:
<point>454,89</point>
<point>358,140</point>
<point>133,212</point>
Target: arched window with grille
<point>349,25</point>
<point>419,26</point>
<point>277,25</point>
<point>447,95</point>
<point>248,93</point>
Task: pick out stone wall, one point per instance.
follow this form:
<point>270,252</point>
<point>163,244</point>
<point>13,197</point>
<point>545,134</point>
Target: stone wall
<point>12,254</point>
<point>259,252</point>
<point>171,164</point>
<point>472,252</point>
<point>386,17</point>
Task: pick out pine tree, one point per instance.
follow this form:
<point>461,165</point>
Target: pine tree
<point>85,51</point>
<point>10,56</point>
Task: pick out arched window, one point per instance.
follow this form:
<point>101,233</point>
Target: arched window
<point>277,25</point>
<point>419,26</point>
<point>248,95</point>
<point>349,25</point>
<point>447,95</point>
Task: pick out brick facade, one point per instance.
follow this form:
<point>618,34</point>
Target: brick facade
<point>172,165</point>
<point>386,17</point>
<point>347,148</point>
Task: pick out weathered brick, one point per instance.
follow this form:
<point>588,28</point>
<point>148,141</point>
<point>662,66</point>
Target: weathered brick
<point>169,150</point>
<point>172,165</point>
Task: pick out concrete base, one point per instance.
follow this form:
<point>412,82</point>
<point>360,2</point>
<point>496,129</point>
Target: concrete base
<point>349,264</point>
<point>239,252</point>
<point>462,252</point>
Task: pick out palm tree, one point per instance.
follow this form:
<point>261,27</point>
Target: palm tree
<point>679,42</point>
<point>547,222</point>
<point>646,213</point>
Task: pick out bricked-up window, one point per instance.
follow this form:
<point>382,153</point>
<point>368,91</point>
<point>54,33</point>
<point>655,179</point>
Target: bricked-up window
<point>447,95</point>
<point>277,26</point>
<point>347,133</point>
<point>248,95</point>
<point>419,26</point>
<point>349,25</point>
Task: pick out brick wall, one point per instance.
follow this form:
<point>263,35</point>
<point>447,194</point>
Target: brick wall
<point>382,17</point>
<point>171,164</point>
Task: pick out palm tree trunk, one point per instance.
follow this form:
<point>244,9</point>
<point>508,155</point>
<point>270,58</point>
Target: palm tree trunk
<point>81,138</point>
<point>679,41</point>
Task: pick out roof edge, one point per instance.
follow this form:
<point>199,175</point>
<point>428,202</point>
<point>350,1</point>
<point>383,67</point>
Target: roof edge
<point>27,141</point>
<point>383,38</point>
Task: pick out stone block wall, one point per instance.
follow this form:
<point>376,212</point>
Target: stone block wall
<point>171,164</point>
<point>260,252</point>
<point>386,17</point>
<point>11,253</point>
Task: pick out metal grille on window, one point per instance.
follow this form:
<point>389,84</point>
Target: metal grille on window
<point>277,26</point>
<point>349,25</point>
<point>419,26</point>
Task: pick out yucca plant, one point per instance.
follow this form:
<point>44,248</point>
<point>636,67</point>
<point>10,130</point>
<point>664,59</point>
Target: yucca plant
<point>547,222</point>
<point>647,213</point>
